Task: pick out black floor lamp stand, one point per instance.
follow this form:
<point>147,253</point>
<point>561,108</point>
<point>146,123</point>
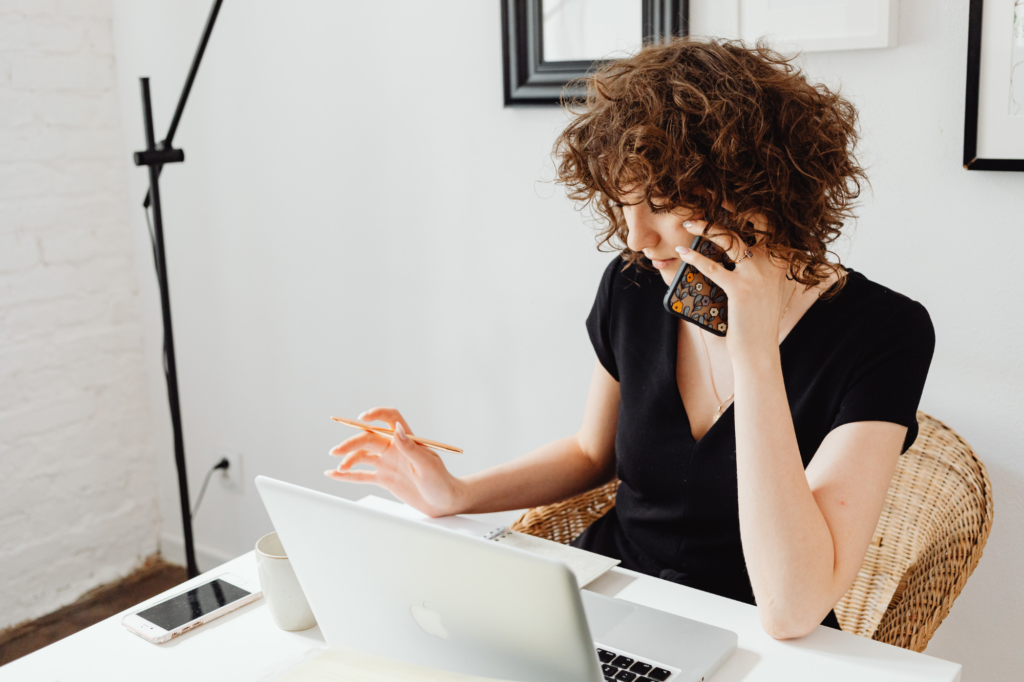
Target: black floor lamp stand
<point>155,156</point>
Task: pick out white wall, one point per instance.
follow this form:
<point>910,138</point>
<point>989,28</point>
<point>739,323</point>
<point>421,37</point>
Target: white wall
<point>77,488</point>
<point>360,222</point>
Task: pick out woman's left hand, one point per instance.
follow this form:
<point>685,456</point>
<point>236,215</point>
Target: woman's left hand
<point>757,289</point>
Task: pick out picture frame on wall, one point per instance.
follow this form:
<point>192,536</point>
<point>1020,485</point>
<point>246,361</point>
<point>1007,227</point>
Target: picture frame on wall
<point>994,115</point>
<point>816,26</point>
<point>547,45</point>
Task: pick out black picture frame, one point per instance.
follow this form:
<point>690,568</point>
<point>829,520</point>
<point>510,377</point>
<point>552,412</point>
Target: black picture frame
<point>971,160</point>
<point>529,80</point>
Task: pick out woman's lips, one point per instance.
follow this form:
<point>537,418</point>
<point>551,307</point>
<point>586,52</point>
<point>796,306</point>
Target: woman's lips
<point>662,264</point>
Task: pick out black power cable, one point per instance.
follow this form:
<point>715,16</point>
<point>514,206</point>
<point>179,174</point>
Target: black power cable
<point>222,464</point>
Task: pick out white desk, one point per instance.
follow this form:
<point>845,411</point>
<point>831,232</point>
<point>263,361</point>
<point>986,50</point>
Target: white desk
<point>246,645</point>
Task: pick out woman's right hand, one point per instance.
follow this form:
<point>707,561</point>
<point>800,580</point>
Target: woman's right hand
<point>412,473</point>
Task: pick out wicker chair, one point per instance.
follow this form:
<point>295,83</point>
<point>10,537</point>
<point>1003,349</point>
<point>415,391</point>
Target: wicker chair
<point>936,519</point>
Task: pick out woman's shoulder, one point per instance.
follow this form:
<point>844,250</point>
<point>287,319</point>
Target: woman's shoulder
<point>630,291</point>
<point>862,291</point>
<point>625,309</point>
<point>865,304</point>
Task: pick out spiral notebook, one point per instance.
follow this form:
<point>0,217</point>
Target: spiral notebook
<point>586,566</point>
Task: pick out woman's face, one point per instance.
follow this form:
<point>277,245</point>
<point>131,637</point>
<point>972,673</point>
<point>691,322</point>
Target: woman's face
<point>657,233</point>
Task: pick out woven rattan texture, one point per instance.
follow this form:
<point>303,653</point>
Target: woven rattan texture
<point>563,521</point>
<point>933,527</point>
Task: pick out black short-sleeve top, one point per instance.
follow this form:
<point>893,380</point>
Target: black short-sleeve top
<point>862,355</point>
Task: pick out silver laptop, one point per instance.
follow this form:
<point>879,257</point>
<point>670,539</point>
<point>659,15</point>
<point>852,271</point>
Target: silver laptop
<point>430,596</point>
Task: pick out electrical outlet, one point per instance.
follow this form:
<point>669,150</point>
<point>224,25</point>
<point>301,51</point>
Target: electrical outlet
<point>232,478</point>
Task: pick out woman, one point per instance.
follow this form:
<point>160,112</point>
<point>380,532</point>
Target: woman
<point>771,495</point>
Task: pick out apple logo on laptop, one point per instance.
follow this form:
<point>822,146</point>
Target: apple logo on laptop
<point>429,621</point>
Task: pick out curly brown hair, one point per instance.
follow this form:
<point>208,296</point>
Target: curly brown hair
<point>696,122</point>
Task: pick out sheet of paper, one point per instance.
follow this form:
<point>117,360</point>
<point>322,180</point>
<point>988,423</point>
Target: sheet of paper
<point>587,566</point>
<point>332,665</point>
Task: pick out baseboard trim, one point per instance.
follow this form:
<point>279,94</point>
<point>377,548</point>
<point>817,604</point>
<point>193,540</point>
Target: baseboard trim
<point>172,549</point>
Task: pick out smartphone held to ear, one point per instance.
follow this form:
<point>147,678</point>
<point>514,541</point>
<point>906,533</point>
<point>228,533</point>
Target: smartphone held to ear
<point>694,297</point>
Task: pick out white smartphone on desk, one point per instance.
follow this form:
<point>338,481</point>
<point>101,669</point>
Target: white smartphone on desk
<point>176,615</point>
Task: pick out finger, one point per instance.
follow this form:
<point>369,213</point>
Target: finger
<point>359,457</point>
<point>419,455</point>
<point>352,476</point>
<point>364,441</point>
<point>388,415</point>
<point>722,238</point>
<point>707,267</point>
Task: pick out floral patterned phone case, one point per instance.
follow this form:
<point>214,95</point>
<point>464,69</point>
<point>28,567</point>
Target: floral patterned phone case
<point>697,299</point>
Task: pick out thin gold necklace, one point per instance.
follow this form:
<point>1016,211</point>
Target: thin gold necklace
<point>707,360</point>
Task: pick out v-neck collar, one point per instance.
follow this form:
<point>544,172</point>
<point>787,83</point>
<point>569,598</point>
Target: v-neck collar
<point>674,323</point>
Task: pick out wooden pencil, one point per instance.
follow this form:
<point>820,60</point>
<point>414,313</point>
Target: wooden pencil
<point>384,431</point>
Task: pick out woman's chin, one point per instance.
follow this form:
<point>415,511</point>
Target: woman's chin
<point>668,275</point>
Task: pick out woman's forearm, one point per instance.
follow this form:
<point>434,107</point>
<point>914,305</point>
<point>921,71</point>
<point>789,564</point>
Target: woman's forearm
<point>786,542</point>
<point>549,474</point>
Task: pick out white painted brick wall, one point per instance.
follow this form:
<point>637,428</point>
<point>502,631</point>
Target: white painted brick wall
<point>77,472</point>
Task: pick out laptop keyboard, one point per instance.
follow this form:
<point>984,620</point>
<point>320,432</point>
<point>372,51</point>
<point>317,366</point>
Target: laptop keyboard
<point>622,668</point>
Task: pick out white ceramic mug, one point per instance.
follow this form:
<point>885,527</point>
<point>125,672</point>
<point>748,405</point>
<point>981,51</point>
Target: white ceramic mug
<point>281,588</point>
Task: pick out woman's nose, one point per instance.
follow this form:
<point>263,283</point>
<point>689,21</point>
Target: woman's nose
<point>640,235</point>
